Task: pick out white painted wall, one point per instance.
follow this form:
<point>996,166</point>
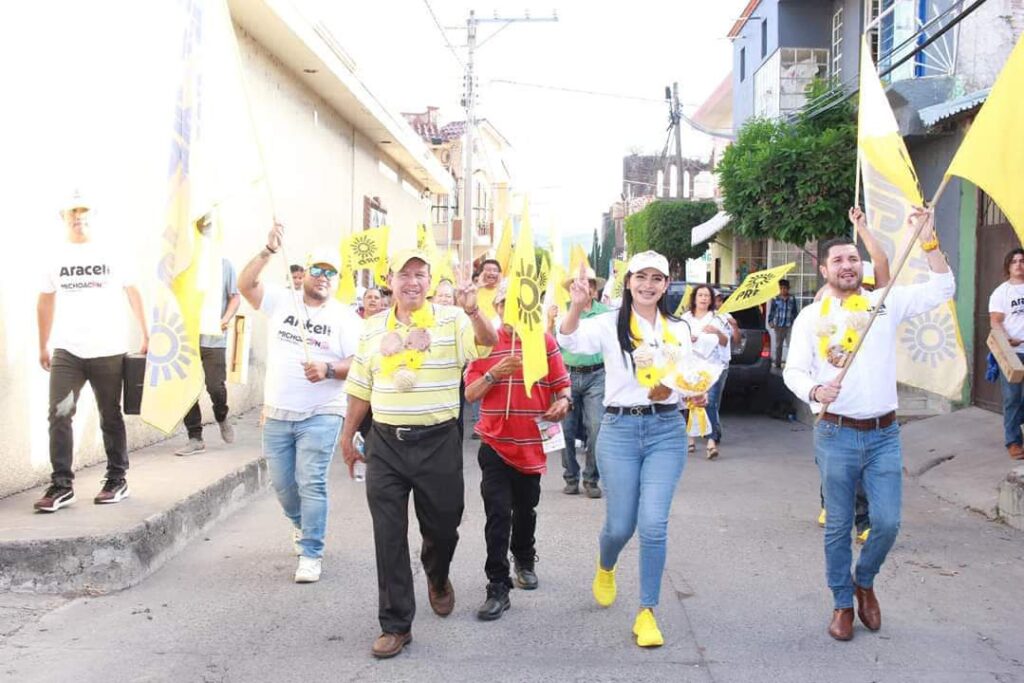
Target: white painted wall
<point>97,116</point>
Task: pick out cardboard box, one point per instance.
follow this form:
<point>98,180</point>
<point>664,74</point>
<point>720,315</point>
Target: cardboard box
<point>239,339</point>
<point>1006,357</point>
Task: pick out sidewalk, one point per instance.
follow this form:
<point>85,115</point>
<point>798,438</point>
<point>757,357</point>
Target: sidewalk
<point>87,548</point>
<point>960,457</point>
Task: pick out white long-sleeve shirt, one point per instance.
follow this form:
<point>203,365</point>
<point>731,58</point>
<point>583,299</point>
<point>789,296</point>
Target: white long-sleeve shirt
<point>600,335</point>
<point>869,388</point>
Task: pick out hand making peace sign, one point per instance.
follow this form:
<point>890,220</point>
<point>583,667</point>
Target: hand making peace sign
<point>579,289</point>
<point>465,290</point>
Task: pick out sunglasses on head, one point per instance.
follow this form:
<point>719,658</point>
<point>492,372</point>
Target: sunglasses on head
<point>317,271</point>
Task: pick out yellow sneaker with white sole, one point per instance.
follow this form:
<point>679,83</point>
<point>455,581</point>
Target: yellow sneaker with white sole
<point>863,536</point>
<point>604,586</point>
<point>646,630</point>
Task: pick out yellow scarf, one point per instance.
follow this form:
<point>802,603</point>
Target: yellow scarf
<point>649,375</point>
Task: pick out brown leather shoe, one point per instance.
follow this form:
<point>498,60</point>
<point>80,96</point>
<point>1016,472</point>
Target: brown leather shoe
<point>867,607</point>
<point>388,645</point>
<point>1016,451</point>
<point>841,627</point>
<point>443,601</point>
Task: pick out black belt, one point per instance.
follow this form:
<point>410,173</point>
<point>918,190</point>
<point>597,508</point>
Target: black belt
<point>643,410</point>
<point>586,369</point>
<point>871,423</point>
<point>413,432</point>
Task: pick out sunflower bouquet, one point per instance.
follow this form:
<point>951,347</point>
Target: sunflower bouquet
<point>402,356</point>
<point>693,376</point>
<point>840,326</point>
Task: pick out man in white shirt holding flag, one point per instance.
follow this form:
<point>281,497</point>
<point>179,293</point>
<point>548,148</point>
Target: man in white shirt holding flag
<point>857,438</point>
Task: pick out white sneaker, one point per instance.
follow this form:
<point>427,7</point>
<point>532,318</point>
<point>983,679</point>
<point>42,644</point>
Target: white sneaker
<point>308,571</point>
<point>193,447</point>
<point>296,537</point>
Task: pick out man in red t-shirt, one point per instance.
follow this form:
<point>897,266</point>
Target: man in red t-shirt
<point>512,457</point>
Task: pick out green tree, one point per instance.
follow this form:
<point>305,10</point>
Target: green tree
<point>595,252</point>
<point>665,227</point>
<point>607,249</point>
<point>791,182</point>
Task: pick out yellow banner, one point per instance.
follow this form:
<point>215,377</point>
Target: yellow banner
<point>524,309</point>
<point>756,289</point>
<point>992,154</point>
<point>929,351</point>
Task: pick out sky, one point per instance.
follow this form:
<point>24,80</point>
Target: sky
<point>568,146</point>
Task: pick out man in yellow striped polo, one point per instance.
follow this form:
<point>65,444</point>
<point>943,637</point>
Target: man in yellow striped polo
<point>408,369</point>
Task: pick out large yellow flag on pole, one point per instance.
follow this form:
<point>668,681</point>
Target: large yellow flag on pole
<point>174,373</point>
<point>930,353</point>
<point>992,154</point>
<point>523,306</point>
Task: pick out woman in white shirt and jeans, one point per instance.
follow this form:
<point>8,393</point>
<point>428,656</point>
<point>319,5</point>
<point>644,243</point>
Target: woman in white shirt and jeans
<point>638,450</point>
<point>703,321</point>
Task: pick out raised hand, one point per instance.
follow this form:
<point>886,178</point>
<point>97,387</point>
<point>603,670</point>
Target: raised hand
<point>924,218</point>
<point>275,237</point>
<point>465,290</point>
<point>857,217</point>
<point>579,289</point>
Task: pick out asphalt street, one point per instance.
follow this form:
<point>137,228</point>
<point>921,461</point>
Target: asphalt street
<point>744,597</point>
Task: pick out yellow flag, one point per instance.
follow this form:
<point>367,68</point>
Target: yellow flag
<point>992,154</point>
<point>557,294</point>
<point>174,373</point>
<point>619,269</point>
<point>425,243</point>
<point>504,254</point>
<point>368,250</point>
<point>577,256</point>
<point>523,307</point>
<point>878,135</point>
<point>756,289</point>
<point>684,303</point>
<point>346,293</point>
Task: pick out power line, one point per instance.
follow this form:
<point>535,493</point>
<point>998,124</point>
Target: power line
<point>444,35</point>
<point>578,91</point>
<point>488,38</point>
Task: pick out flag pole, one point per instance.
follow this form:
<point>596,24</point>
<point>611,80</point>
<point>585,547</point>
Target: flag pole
<point>885,292</point>
<point>508,400</point>
<point>856,192</point>
<point>270,192</point>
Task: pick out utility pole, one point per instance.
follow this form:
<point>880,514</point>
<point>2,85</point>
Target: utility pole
<point>468,102</point>
<point>676,118</point>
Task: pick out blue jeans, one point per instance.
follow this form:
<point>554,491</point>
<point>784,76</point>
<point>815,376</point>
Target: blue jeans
<point>298,456</point>
<point>714,406</point>
<point>1013,410</point>
<point>642,458</point>
<point>846,457</point>
<point>584,423</point>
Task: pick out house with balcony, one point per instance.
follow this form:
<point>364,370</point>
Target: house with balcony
<point>492,179</point>
<point>937,60</point>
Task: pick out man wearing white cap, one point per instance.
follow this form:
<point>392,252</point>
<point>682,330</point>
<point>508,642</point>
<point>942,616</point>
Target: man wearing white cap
<point>81,303</point>
<point>304,392</point>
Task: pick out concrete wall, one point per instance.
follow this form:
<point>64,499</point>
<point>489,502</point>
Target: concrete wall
<point>319,172</point>
<point>986,39</point>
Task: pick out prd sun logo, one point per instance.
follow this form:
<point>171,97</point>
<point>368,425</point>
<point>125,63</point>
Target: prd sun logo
<point>365,250</point>
<point>529,295</point>
<point>169,348</point>
<point>930,338</point>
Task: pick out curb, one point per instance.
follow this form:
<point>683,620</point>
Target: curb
<point>1011,498</point>
<point>100,564</point>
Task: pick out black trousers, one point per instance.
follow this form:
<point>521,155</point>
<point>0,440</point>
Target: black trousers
<point>215,370</point>
<point>510,504</point>
<point>68,374</point>
<point>430,468</point>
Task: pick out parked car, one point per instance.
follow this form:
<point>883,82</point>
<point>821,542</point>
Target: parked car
<point>751,364</point>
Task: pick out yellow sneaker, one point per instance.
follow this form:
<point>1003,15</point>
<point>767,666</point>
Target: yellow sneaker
<point>604,586</point>
<point>646,630</point>
<point>821,518</point>
<point>863,536</point>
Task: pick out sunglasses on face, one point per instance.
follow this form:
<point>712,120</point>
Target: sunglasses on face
<point>317,271</point>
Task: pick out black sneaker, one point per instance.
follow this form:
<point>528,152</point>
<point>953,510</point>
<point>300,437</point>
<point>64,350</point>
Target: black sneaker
<point>113,491</point>
<point>55,498</point>
<point>526,577</point>
<point>496,604</point>
<point>571,488</point>
<point>592,490</point>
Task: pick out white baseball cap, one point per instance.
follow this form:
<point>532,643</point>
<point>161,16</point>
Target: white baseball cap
<point>75,201</point>
<point>326,255</point>
<point>649,259</point>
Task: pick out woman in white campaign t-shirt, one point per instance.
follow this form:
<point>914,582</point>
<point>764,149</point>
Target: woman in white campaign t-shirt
<point>1006,312</point>
<point>704,322</point>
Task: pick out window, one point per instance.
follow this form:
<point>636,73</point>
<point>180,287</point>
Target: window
<point>803,279</point>
<point>659,190</point>
<point>743,63</point>
<point>673,181</point>
<point>750,256</point>
<point>764,38</point>
<point>798,68</point>
<point>837,45</point>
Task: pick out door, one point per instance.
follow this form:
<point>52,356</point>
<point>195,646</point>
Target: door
<point>995,238</point>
